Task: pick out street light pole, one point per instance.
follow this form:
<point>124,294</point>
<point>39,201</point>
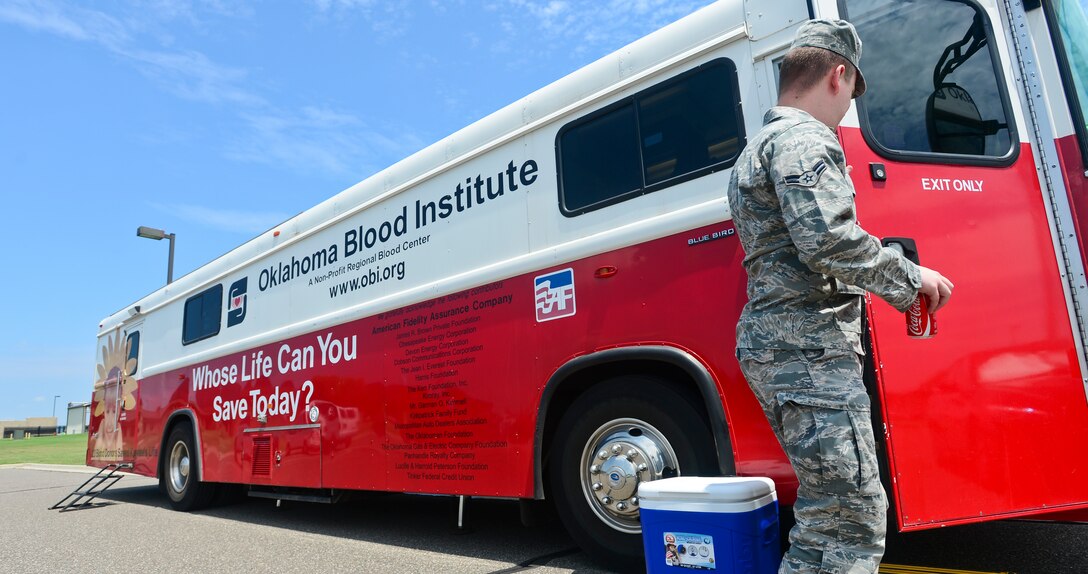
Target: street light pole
<point>157,235</point>
<point>170,260</point>
<point>55,397</point>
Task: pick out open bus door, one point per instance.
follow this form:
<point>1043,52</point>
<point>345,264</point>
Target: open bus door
<point>985,419</point>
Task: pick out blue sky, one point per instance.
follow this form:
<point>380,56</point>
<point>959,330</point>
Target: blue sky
<point>216,120</point>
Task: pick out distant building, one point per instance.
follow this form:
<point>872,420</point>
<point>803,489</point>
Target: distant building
<point>33,426</point>
<point>78,418</point>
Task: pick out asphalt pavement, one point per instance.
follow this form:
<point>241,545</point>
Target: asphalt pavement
<point>133,528</point>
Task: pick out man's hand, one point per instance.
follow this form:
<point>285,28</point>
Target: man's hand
<point>936,288</point>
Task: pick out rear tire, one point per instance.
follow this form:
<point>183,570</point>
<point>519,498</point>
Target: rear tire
<point>620,433</point>
<point>181,472</point>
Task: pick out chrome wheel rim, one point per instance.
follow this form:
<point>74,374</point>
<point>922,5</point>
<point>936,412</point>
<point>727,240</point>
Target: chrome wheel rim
<point>619,456</point>
<point>179,467</point>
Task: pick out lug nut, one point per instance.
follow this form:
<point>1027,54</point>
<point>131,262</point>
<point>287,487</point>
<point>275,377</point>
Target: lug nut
<point>616,449</point>
<point>634,501</point>
<point>607,500</point>
<point>642,467</point>
<point>597,486</point>
<point>594,469</point>
<point>621,506</point>
<point>602,455</point>
<point>632,453</point>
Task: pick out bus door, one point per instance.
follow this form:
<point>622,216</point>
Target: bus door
<point>119,354</point>
<point>981,420</point>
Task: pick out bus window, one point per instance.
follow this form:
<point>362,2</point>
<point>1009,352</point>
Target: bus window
<point>202,315</point>
<point>944,95</point>
<point>600,159</point>
<point>686,127</point>
<point>1071,23</point>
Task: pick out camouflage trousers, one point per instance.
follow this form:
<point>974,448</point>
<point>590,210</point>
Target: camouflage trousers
<point>816,403</point>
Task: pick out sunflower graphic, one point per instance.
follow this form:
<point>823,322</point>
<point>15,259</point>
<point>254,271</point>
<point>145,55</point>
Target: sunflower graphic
<point>115,364</point>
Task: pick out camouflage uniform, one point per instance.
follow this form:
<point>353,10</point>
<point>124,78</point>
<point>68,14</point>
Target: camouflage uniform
<point>799,336</point>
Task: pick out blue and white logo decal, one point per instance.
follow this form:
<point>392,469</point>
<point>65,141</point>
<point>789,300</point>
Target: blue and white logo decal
<point>554,295</point>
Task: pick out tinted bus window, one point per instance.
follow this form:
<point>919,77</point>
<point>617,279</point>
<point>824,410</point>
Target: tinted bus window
<point>600,159</point>
<point>686,127</point>
<point>202,315</point>
<point>933,87</point>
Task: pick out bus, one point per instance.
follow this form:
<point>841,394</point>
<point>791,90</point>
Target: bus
<point>542,305</point>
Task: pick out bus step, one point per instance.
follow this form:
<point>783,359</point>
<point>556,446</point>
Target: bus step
<point>322,496</point>
<point>82,496</point>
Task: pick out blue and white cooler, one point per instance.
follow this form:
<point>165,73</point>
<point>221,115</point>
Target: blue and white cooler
<point>725,524</point>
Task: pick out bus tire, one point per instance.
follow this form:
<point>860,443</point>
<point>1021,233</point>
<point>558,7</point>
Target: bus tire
<point>597,458</point>
<point>181,471</point>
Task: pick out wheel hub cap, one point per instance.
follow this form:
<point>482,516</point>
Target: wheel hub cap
<point>179,467</point>
<point>618,457</point>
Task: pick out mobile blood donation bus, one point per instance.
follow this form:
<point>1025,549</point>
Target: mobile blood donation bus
<point>542,305</point>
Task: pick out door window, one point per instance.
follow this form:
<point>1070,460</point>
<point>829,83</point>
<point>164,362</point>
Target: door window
<point>934,88</point>
<point>132,360</point>
<point>1071,22</point>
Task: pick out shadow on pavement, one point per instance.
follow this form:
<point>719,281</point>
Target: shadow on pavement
<point>418,522</point>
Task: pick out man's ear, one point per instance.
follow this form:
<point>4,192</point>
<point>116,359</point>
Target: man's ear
<point>838,78</point>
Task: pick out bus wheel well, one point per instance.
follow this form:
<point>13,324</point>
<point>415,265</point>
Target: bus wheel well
<point>568,389</point>
<point>176,419</point>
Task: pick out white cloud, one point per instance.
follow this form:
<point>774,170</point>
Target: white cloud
<point>76,23</point>
<point>588,26</point>
<point>186,74</point>
<point>321,139</point>
<point>243,221</point>
<point>386,18</point>
<point>307,140</point>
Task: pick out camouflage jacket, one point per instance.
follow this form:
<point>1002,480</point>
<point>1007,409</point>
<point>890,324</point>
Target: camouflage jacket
<point>808,260</point>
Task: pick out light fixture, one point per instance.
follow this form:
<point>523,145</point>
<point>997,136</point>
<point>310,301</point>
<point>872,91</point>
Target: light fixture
<point>158,234</point>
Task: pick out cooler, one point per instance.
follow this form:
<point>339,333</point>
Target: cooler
<point>727,525</point>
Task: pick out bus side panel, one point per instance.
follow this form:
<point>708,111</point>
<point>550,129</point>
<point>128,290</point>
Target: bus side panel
<point>153,399</point>
<point>462,375</point>
<point>442,396</point>
<point>685,290</point>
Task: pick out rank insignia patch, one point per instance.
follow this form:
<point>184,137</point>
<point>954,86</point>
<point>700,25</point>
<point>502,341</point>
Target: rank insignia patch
<point>809,178</point>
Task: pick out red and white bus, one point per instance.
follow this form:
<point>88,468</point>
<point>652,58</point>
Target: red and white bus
<point>542,305</point>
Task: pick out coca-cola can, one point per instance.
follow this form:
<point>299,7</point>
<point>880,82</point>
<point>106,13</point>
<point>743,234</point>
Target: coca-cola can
<point>920,324</point>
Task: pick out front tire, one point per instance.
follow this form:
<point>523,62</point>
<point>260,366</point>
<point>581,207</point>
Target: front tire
<point>623,432</point>
<point>181,471</point>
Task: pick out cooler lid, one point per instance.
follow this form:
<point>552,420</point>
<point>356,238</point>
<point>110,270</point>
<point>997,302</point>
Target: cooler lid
<point>730,489</point>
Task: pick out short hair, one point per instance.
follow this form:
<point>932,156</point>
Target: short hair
<point>804,67</point>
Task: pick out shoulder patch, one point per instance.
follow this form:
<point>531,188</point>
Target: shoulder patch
<point>808,178</point>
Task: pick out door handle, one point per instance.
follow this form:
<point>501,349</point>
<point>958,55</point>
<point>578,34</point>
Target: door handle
<point>905,245</point>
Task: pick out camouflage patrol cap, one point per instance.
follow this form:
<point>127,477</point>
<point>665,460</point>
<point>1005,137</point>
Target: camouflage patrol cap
<point>838,36</point>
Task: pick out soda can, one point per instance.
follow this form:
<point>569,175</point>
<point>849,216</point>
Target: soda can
<point>920,324</point>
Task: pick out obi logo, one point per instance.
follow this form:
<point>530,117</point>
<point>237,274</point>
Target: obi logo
<point>554,295</point>
<point>236,302</point>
